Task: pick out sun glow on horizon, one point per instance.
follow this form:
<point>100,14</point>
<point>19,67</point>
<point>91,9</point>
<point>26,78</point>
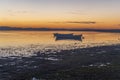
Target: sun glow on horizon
<point>60,13</point>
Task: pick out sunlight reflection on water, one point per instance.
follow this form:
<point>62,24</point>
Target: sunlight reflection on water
<point>26,44</point>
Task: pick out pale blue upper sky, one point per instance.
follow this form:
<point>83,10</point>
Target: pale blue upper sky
<point>60,4</point>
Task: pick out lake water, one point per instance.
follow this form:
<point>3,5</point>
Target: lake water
<point>26,43</point>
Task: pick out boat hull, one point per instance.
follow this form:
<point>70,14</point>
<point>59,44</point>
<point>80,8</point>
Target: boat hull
<point>68,37</point>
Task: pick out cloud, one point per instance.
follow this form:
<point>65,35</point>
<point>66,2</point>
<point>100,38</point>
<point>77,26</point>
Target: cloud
<point>82,22</point>
<point>77,22</point>
<point>77,12</point>
<point>17,12</point>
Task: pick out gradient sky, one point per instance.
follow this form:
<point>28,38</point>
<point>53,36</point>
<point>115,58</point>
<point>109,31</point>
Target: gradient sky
<point>60,13</point>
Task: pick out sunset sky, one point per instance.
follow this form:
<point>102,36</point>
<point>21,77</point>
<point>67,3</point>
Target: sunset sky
<point>60,13</point>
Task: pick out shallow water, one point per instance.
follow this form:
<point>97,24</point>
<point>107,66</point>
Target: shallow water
<point>26,43</point>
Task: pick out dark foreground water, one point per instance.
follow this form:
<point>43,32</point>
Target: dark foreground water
<point>97,63</point>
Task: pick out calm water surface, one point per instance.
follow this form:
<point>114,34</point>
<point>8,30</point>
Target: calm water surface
<point>25,43</point>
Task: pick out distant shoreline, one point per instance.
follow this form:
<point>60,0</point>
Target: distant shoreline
<point>5,28</point>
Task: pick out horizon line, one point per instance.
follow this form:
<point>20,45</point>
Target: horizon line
<point>57,28</point>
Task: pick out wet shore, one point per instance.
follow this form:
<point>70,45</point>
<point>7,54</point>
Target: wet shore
<point>96,63</point>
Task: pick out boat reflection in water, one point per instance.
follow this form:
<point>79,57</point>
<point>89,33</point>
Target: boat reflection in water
<point>70,36</point>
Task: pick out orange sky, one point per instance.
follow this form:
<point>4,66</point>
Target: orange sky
<point>60,13</point>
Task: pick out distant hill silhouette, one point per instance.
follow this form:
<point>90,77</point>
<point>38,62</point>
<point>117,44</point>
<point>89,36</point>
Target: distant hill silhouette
<point>7,28</point>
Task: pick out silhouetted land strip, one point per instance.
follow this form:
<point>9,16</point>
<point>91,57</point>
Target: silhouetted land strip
<point>6,28</point>
<point>97,63</point>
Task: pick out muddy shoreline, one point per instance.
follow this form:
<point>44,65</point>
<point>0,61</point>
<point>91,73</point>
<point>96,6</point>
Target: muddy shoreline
<point>96,63</point>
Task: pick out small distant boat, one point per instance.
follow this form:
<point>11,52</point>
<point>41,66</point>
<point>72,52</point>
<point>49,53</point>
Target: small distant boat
<point>62,35</point>
<point>70,36</point>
